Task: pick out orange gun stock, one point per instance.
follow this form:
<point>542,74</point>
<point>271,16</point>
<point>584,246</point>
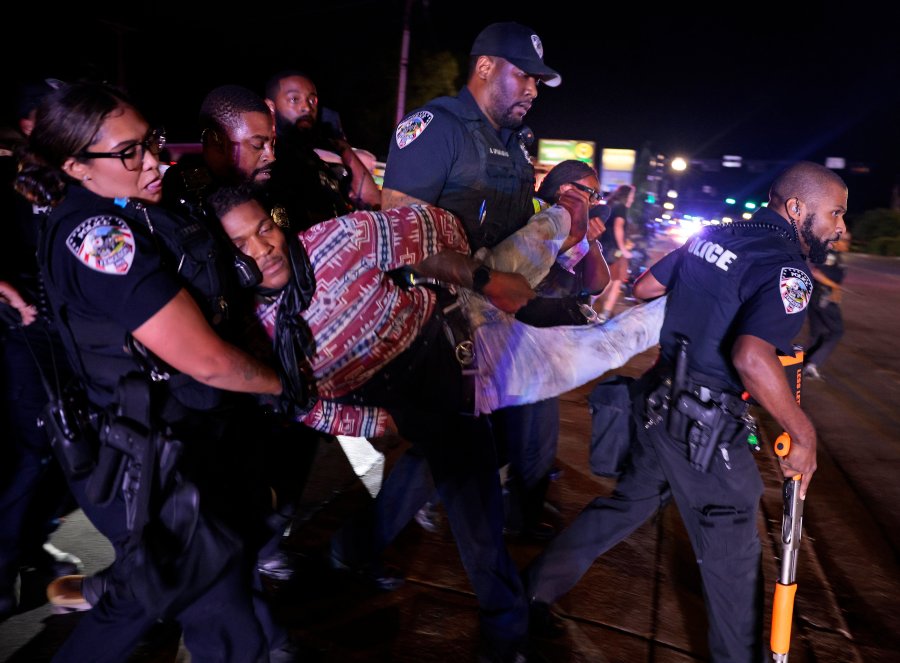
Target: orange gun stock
<point>791,530</point>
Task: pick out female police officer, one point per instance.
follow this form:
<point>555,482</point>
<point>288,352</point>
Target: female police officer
<point>93,158</point>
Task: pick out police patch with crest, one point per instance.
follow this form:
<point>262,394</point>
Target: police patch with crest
<point>795,288</point>
<point>103,243</point>
<point>412,127</point>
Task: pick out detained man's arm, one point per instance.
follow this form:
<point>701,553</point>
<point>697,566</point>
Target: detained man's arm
<point>180,336</point>
<point>763,376</point>
<point>391,198</point>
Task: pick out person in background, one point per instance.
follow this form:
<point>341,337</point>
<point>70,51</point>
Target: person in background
<point>616,247</point>
<point>309,187</point>
<point>33,492</point>
<point>579,272</point>
<point>826,323</point>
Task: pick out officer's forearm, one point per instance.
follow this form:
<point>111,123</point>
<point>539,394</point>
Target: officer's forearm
<point>180,336</point>
<point>235,370</point>
<point>450,267</point>
<point>391,198</point>
<point>763,377</point>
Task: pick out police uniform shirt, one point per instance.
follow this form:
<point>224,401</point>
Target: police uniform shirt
<point>448,154</point>
<point>105,271</point>
<point>744,279</point>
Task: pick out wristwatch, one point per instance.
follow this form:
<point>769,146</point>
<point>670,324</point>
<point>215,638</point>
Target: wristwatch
<point>480,277</point>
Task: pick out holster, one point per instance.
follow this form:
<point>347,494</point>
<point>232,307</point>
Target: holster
<point>67,421</point>
<point>701,417</point>
<point>459,335</point>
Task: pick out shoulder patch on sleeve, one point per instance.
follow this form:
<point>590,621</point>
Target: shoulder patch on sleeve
<point>795,288</point>
<point>103,243</point>
<point>412,127</point>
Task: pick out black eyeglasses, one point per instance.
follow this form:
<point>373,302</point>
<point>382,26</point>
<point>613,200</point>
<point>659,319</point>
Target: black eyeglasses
<point>133,156</point>
<point>595,196</point>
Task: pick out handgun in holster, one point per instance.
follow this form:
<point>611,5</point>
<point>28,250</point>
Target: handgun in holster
<point>699,424</point>
<point>127,451</point>
<point>706,423</point>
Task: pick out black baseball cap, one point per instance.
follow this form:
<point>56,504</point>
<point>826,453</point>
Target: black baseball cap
<point>520,45</point>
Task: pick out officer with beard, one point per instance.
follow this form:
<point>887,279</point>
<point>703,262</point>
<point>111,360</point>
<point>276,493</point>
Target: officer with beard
<point>737,294</point>
<point>311,189</point>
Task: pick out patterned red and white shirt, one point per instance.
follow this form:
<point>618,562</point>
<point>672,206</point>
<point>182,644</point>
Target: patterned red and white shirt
<point>359,317</point>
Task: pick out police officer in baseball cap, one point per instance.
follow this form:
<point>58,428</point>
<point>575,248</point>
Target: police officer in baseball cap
<point>519,45</point>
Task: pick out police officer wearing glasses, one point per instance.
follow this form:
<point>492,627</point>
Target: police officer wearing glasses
<point>154,374</point>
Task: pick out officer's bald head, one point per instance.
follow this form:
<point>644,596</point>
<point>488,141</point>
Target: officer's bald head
<point>806,181</point>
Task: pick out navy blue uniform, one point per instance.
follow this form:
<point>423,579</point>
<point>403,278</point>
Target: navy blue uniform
<point>106,275</point>
<point>448,154</point>
<point>746,279</point>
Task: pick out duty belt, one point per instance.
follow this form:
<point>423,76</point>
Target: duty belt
<point>703,417</point>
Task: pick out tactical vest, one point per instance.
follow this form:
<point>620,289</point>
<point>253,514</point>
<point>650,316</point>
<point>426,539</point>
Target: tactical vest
<point>502,181</point>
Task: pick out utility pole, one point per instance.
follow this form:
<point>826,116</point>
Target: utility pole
<point>120,29</point>
<point>404,64</point>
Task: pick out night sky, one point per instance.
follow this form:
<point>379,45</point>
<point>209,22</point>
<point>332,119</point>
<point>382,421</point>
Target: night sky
<point>756,80</point>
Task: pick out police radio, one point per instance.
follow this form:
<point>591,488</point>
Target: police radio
<point>526,135</point>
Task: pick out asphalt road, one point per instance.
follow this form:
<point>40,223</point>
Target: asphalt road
<point>642,600</point>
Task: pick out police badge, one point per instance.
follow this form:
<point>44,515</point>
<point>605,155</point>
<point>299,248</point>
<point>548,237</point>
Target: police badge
<point>795,288</point>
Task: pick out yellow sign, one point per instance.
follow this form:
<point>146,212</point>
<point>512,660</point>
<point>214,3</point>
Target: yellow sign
<point>618,167</point>
<point>552,151</point>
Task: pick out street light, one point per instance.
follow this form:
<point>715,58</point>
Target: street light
<point>679,164</point>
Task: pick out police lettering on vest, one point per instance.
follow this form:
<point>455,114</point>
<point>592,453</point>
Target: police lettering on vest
<point>712,252</point>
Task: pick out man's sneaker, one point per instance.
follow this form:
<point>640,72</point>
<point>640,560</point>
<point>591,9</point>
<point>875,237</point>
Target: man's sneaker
<point>812,371</point>
<point>65,594</point>
<point>281,566</point>
<point>428,517</point>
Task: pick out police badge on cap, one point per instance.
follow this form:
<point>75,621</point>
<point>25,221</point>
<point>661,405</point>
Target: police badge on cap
<point>518,44</point>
